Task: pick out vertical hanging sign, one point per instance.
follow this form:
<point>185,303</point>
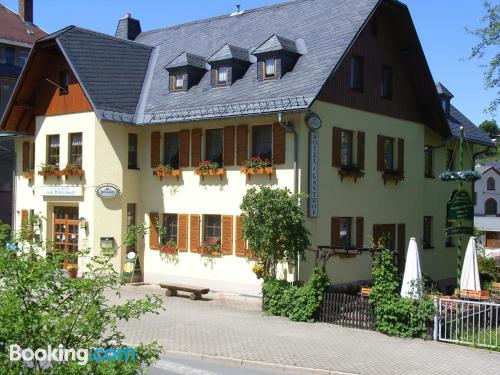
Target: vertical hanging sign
<point>313,173</point>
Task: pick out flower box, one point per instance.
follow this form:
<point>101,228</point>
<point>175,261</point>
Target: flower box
<point>168,248</point>
<point>166,171</point>
<point>29,175</point>
<point>258,171</point>
<point>209,168</point>
<point>350,171</point>
<point>73,170</point>
<point>394,175</point>
<point>211,248</point>
<point>49,170</point>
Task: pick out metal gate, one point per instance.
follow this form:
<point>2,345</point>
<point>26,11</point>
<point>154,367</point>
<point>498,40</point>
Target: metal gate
<point>469,322</point>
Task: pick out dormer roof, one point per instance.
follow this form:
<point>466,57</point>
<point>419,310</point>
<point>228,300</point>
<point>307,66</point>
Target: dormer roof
<point>443,90</point>
<point>230,52</point>
<point>276,43</point>
<point>185,60</point>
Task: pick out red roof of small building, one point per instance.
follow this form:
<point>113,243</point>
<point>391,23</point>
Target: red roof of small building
<point>13,28</point>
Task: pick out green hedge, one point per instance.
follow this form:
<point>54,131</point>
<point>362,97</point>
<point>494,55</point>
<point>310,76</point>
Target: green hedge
<point>298,303</point>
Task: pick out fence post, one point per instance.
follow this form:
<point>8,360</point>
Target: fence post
<point>436,319</point>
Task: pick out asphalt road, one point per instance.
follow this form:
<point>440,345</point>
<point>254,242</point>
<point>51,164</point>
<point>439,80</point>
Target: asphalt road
<point>184,365</point>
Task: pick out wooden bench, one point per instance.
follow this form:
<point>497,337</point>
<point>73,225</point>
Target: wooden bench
<point>495,287</point>
<point>195,292</point>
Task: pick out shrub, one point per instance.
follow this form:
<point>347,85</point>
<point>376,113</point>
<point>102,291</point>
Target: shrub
<point>298,303</point>
<point>394,315</point>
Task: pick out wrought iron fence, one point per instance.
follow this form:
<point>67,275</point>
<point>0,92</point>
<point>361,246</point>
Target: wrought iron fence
<point>347,310</point>
<point>469,322</point>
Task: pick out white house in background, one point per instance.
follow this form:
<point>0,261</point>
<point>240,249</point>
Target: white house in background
<point>486,210</point>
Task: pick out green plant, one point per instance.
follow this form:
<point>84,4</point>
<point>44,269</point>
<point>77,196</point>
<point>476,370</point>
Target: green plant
<point>40,306</point>
<point>212,247</point>
<point>206,167</point>
<point>298,303</point>
<point>256,163</point>
<point>5,234</point>
<point>394,315</point>
<point>48,170</point>
<point>273,223</point>
<point>163,170</point>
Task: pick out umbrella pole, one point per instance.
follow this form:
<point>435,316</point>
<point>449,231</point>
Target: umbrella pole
<point>460,186</point>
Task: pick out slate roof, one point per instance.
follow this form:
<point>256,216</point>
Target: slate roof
<point>443,90</point>
<point>276,43</point>
<point>472,132</point>
<point>187,59</point>
<point>229,52</point>
<point>13,28</point>
<point>111,70</point>
<point>327,27</point>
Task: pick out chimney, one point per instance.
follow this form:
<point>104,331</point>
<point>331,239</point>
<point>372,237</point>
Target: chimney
<point>26,10</point>
<point>128,27</point>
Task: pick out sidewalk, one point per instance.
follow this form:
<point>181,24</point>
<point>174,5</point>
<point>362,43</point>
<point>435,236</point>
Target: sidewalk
<point>235,327</point>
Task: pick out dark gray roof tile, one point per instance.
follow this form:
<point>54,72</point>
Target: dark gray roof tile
<point>471,132</point>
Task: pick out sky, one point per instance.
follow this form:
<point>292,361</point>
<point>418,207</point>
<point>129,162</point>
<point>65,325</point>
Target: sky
<point>440,26</point>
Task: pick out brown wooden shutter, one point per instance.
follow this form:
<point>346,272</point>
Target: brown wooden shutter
<point>155,149</point>
<point>184,148</point>
<point>182,232</point>
<point>227,234</point>
<point>376,234</point>
<point>360,227</point>
<point>401,247</point>
<point>401,154</point>
<point>26,156</point>
<point>194,233</point>
<point>195,147</point>
<point>229,132</point>
<point>335,235</point>
<point>24,218</point>
<point>380,153</point>
<point>241,144</point>
<point>153,230</point>
<point>279,140</point>
<point>240,241</point>
<point>361,151</point>
<point>336,147</point>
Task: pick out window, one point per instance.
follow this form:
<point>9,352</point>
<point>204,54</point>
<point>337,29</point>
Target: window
<point>214,146</point>
<point>386,86</point>
<point>262,141</point>
<point>75,150</point>
<point>427,232</point>
<point>212,229</point>
<point>346,148</point>
<point>445,103</point>
<point>429,172</point>
<point>179,82</point>
<point>171,150</point>
<point>53,150</point>
<point>490,183</point>
<point>132,151</point>
<point>170,227</point>
<point>388,154</point>
<point>22,56</point>
<point>270,69</point>
<point>345,232</point>
<point>10,55</point>
<point>6,88</point>
<point>63,82</point>
<point>357,73</point>
<point>222,76</point>
<point>490,207</point>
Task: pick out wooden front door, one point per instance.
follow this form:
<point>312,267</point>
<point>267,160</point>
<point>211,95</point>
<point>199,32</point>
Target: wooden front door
<point>66,226</point>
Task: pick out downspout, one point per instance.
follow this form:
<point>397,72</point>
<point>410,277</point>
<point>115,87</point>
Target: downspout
<point>291,129</point>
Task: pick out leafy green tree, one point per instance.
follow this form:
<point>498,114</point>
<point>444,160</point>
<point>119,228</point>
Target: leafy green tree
<point>490,127</point>
<point>489,39</point>
<point>41,306</point>
<point>273,224</point>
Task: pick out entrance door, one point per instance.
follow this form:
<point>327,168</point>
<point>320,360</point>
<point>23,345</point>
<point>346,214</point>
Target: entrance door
<point>66,226</point>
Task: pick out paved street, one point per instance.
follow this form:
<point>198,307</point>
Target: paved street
<point>236,328</point>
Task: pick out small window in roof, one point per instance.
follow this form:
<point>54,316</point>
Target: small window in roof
<point>179,82</point>
<point>222,75</point>
<point>270,68</point>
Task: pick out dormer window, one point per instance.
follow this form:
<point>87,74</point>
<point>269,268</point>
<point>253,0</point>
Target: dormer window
<point>228,64</point>
<point>270,69</point>
<point>179,82</point>
<point>186,70</point>
<point>276,57</point>
<point>63,82</point>
<point>222,76</point>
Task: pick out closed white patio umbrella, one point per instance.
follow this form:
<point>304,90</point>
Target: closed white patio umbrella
<point>470,270</point>
<point>413,273</point>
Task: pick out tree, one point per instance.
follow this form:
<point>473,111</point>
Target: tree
<point>490,127</point>
<point>273,224</point>
<point>489,36</point>
<point>41,306</point>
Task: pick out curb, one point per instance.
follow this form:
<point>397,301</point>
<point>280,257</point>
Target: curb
<point>247,363</point>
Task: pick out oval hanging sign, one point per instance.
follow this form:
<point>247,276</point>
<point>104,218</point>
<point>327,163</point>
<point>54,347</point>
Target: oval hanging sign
<point>107,191</point>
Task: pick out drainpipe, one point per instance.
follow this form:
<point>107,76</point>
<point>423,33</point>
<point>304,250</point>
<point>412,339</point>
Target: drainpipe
<point>290,129</point>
